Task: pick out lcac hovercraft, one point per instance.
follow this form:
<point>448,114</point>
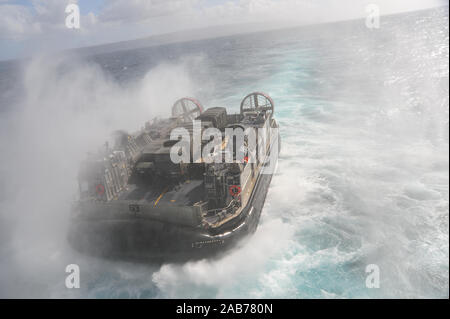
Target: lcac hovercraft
<point>137,202</point>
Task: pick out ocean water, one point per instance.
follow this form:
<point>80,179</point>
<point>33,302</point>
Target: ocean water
<point>362,176</point>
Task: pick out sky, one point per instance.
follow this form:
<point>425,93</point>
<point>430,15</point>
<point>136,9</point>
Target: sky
<point>32,26</point>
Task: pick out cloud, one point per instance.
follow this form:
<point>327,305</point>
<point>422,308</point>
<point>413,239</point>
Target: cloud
<point>41,25</point>
<point>16,20</point>
<point>41,17</point>
<point>141,10</point>
<point>304,11</point>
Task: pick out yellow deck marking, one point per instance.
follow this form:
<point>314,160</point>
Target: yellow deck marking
<point>160,196</point>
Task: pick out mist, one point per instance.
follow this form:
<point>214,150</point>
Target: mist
<point>68,107</point>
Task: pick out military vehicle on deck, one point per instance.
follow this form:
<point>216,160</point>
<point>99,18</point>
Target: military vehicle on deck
<point>136,202</point>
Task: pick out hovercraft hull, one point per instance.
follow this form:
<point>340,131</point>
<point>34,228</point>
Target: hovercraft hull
<point>152,240</point>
